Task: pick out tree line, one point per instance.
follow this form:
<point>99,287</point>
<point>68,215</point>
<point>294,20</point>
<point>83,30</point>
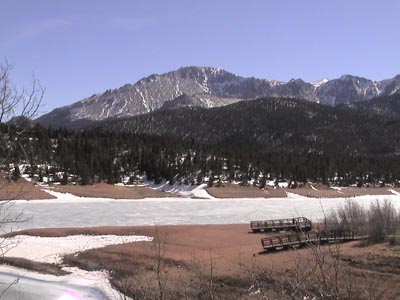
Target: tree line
<point>94,155</point>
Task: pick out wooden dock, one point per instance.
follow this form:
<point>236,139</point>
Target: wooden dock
<point>296,240</point>
<point>294,224</point>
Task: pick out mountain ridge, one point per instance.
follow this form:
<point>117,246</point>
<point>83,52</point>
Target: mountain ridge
<point>213,87</point>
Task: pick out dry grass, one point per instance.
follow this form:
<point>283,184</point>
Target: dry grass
<point>21,190</point>
<point>103,190</point>
<point>238,191</point>
<point>43,268</point>
<point>316,191</point>
<point>323,191</point>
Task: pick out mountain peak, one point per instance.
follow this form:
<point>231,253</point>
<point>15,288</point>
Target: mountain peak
<point>348,77</point>
<point>203,69</point>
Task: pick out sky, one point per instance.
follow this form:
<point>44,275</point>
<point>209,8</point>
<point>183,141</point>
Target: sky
<point>79,48</point>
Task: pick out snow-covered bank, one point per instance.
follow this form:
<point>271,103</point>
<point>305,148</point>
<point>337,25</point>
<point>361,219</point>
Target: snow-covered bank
<point>186,190</point>
<point>179,189</point>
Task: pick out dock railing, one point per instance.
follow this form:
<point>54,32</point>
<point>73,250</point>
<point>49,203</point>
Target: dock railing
<point>296,224</point>
<point>302,239</point>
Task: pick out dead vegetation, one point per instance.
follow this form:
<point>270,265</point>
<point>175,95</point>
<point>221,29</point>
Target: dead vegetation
<point>380,222</point>
<point>21,190</point>
<point>43,268</point>
<point>104,190</point>
<point>240,191</point>
<point>315,190</point>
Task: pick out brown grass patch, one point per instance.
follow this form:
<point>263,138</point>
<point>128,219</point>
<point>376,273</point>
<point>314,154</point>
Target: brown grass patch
<point>323,191</point>
<point>22,190</point>
<point>238,191</point>
<point>316,191</point>
<point>103,190</point>
<point>43,268</point>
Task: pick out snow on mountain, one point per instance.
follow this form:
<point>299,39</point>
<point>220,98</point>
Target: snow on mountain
<point>349,89</point>
<point>212,87</point>
<point>318,83</point>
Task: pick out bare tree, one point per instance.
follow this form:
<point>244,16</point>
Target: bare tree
<point>13,102</point>
<point>17,108</point>
<point>18,105</point>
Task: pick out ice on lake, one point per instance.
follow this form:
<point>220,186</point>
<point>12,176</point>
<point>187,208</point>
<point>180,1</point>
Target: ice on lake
<point>73,211</point>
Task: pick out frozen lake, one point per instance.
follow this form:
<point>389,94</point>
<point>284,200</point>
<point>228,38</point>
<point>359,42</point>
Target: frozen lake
<point>72,211</point>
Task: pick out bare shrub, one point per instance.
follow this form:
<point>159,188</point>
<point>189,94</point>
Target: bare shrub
<point>353,216</point>
<point>331,221</point>
<point>383,222</point>
<point>205,277</point>
<point>317,274</point>
<point>379,222</point>
<point>158,250</point>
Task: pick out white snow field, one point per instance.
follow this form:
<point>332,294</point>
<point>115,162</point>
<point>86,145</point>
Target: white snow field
<point>73,211</point>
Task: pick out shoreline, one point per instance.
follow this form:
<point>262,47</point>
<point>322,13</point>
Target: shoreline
<point>166,192</point>
<point>59,197</point>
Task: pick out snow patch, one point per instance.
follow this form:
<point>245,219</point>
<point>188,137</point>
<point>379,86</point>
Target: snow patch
<point>207,101</point>
<point>318,83</point>
<point>283,184</point>
<point>186,190</point>
<point>144,101</point>
<point>313,187</point>
<point>394,192</point>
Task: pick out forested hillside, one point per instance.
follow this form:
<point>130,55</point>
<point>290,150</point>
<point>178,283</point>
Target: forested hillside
<point>387,107</point>
<point>250,141</point>
<point>273,124</point>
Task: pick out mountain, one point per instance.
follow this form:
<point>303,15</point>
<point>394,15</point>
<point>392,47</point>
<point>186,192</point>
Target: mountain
<point>385,106</point>
<point>269,125</point>
<point>202,100</point>
<point>183,101</point>
<point>211,87</point>
<point>351,89</point>
<point>20,121</point>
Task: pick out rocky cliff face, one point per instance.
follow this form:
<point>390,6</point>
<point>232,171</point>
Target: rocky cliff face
<point>211,87</point>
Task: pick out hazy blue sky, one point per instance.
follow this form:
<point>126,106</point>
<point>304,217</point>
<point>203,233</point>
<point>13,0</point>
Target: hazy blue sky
<point>77,48</point>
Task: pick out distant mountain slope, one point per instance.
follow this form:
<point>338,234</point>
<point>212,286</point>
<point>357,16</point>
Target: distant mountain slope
<point>271,124</point>
<point>385,106</point>
<point>183,101</point>
<point>202,100</point>
<point>213,87</point>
